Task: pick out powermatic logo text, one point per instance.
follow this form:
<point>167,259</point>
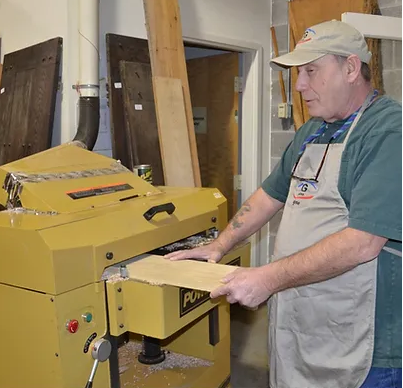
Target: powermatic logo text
<point>190,299</point>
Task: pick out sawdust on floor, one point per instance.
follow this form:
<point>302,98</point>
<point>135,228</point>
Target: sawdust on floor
<point>136,372</point>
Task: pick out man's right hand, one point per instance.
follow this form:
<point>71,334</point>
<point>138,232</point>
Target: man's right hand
<point>212,252</point>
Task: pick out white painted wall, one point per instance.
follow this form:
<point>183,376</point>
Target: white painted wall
<point>24,23</point>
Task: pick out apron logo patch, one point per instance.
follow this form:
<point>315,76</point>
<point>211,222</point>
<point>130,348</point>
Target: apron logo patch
<point>304,190</point>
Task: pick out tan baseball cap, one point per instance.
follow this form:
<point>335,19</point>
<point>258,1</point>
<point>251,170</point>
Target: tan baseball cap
<point>332,37</point>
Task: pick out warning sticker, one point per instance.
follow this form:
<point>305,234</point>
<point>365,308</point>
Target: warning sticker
<point>98,190</point>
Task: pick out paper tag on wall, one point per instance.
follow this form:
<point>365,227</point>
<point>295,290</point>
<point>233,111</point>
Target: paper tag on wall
<point>118,85</point>
<point>200,119</point>
<point>138,106</point>
<point>2,90</point>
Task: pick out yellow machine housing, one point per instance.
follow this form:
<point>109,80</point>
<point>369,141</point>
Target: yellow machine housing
<point>68,215</point>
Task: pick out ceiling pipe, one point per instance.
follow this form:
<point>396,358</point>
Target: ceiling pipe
<point>88,84</point>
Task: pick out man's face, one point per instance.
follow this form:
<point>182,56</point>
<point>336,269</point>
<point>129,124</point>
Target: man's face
<point>324,88</point>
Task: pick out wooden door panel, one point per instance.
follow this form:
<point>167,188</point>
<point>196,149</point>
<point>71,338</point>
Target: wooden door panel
<point>19,123</point>
<point>141,122</point>
<point>223,128</point>
<point>198,75</point>
<point>220,145</point>
<point>121,48</point>
<point>27,100</point>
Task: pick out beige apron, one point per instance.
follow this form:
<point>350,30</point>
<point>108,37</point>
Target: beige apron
<point>320,335</point>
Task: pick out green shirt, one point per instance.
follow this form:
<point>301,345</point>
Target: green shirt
<point>370,184</point>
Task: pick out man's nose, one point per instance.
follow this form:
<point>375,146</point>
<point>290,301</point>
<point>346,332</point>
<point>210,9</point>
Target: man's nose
<point>301,84</point>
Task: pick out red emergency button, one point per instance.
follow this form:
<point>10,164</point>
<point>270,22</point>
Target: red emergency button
<point>72,325</point>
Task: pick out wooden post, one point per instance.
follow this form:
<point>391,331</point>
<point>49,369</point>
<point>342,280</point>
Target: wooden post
<point>167,57</point>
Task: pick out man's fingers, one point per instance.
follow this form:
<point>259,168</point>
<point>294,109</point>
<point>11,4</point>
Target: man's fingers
<point>179,255</point>
<point>227,278</point>
<point>219,291</point>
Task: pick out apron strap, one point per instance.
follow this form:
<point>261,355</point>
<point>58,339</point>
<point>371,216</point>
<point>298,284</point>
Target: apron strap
<point>392,251</point>
<point>368,101</point>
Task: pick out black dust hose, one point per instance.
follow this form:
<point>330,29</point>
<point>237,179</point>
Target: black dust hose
<point>88,123</point>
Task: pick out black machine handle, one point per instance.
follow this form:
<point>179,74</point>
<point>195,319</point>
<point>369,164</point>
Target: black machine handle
<point>166,207</point>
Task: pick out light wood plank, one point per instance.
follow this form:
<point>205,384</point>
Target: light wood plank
<point>172,130</point>
<point>375,26</point>
<point>167,55</point>
<point>191,274</point>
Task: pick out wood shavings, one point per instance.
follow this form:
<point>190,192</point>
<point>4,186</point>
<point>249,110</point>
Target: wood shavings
<point>132,371</point>
<point>115,278</point>
<point>189,243</point>
<point>150,282</point>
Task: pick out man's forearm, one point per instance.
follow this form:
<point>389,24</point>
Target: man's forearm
<point>328,258</point>
<point>256,211</point>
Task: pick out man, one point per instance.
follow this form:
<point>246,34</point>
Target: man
<point>338,248</point>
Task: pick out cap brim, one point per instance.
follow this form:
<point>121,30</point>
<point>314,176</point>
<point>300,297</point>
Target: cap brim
<point>294,58</point>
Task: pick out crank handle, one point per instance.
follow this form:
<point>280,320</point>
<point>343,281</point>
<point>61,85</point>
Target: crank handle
<point>100,352</point>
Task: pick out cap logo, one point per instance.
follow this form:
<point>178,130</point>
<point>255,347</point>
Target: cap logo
<point>309,32</point>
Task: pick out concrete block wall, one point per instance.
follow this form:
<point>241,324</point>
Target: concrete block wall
<point>283,131</point>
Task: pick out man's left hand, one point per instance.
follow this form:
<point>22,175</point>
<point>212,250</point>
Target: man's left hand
<point>246,286</point>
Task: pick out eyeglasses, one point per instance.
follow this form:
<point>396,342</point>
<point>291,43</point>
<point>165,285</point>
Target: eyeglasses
<point>315,178</point>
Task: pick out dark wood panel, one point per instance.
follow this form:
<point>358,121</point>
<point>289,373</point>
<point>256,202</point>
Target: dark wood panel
<point>198,75</point>
<point>27,102</point>
<point>141,121</point>
<point>19,123</point>
<point>211,81</point>
<point>121,48</point>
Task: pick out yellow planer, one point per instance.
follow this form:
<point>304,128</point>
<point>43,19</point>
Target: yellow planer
<point>70,317</point>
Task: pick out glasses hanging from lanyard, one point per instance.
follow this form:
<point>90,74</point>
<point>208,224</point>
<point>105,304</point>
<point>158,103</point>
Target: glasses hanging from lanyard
<point>320,132</point>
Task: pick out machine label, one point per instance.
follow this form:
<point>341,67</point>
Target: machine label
<point>190,299</point>
<point>98,190</point>
<point>88,342</point>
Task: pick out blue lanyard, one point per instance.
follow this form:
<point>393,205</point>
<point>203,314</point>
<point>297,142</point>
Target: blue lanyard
<point>341,130</point>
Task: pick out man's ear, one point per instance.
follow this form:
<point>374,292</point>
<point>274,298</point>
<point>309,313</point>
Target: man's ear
<point>353,67</point>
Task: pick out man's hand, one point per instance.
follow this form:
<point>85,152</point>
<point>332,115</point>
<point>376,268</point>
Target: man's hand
<point>213,253</point>
<point>247,286</point>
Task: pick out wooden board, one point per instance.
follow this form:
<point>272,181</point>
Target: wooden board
<point>196,275</point>
<point>141,122</point>
<point>172,129</point>
<point>211,81</point>
<point>306,13</point>
<point>27,102</point>
<point>167,56</point>
<point>121,48</point>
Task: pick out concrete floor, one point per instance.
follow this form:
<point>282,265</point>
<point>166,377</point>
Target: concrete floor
<point>249,362</point>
